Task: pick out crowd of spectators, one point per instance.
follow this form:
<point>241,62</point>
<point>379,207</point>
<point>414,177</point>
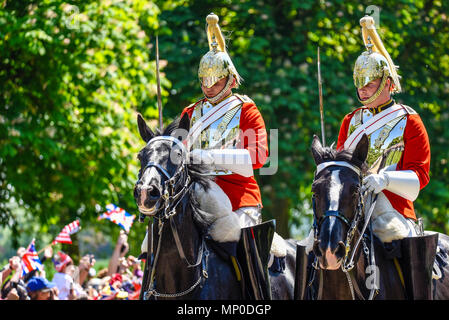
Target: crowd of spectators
<point>121,280</point>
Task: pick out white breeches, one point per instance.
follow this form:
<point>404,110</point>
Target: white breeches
<point>248,216</point>
<point>388,224</point>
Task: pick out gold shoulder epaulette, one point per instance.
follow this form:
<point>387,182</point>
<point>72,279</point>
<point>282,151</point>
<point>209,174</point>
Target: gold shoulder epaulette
<point>244,98</point>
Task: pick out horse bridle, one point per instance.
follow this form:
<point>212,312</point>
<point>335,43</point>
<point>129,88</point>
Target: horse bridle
<point>333,213</point>
<point>352,225</point>
<point>348,261</point>
<point>172,181</point>
<point>168,197</point>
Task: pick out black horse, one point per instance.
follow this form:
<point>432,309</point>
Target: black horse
<point>186,263</point>
<point>350,262</point>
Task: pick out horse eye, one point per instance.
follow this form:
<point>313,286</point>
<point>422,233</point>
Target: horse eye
<point>355,190</point>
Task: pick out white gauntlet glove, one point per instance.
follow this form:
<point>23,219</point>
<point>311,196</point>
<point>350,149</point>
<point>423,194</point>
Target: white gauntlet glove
<point>236,160</point>
<point>403,183</point>
<point>375,183</point>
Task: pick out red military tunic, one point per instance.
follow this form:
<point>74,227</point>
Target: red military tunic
<point>244,191</point>
<point>416,157</point>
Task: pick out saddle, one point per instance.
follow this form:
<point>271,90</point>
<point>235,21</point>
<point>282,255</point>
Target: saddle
<point>418,260</point>
<point>249,257</point>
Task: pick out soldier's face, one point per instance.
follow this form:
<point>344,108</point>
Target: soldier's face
<point>367,91</point>
<point>215,89</point>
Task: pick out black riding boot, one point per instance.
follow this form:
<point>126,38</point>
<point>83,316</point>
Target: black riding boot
<point>253,253</point>
<point>418,256</point>
<point>300,273</point>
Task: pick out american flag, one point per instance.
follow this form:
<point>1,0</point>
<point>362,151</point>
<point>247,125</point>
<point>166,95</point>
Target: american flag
<point>64,235</point>
<point>118,216</point>
<point>30,260</point>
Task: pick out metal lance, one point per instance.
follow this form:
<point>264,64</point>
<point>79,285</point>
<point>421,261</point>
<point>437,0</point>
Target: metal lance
<point>320,92</point>
<point>159,100</point>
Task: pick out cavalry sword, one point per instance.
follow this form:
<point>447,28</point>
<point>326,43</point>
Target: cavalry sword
<point>159,100</point>
<point>320,92</point>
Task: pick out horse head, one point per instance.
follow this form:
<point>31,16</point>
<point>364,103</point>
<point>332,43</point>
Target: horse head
<point>162,161</point>
<point>336,196</point>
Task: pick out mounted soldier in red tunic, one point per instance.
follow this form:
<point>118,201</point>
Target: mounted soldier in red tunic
<point>228,126</point>
<point>227,138</point>
<point>398,158</point>
<point>228,133</point>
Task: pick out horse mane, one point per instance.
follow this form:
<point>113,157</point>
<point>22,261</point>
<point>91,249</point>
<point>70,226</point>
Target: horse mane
<point>168,130</point>
<point>213,215</point>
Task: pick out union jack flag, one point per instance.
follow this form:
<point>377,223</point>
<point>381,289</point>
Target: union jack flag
<point>118,216</point>
<point>64,235</point>
<point>30,260</point>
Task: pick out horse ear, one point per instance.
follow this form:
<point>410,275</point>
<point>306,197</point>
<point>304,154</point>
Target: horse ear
<point>361,150</point>
<point>144,130</point>
<point>184,123</point>
<point>183,128</point>
<point>317,149</point>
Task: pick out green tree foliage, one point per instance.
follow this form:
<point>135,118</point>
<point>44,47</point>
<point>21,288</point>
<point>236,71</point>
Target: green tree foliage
<point>72,78</point>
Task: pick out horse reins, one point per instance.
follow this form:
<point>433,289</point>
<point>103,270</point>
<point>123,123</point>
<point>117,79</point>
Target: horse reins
<point>168,197</point>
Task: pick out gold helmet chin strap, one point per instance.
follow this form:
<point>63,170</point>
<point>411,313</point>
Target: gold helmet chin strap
<point>223,92</point>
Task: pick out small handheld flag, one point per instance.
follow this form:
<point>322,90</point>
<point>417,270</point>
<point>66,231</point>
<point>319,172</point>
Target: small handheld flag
<point>64,235</point>
<point>119,216</point>
<point>30,260</point>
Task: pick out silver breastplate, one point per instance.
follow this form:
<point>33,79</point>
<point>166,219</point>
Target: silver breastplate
<point>222,133</point>
<point>386,144</point>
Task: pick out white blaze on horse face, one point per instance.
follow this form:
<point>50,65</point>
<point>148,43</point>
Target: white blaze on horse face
<point>334,199</point>
<point>147,179</point>
<point>334,191</point>
<point>150,176</point>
